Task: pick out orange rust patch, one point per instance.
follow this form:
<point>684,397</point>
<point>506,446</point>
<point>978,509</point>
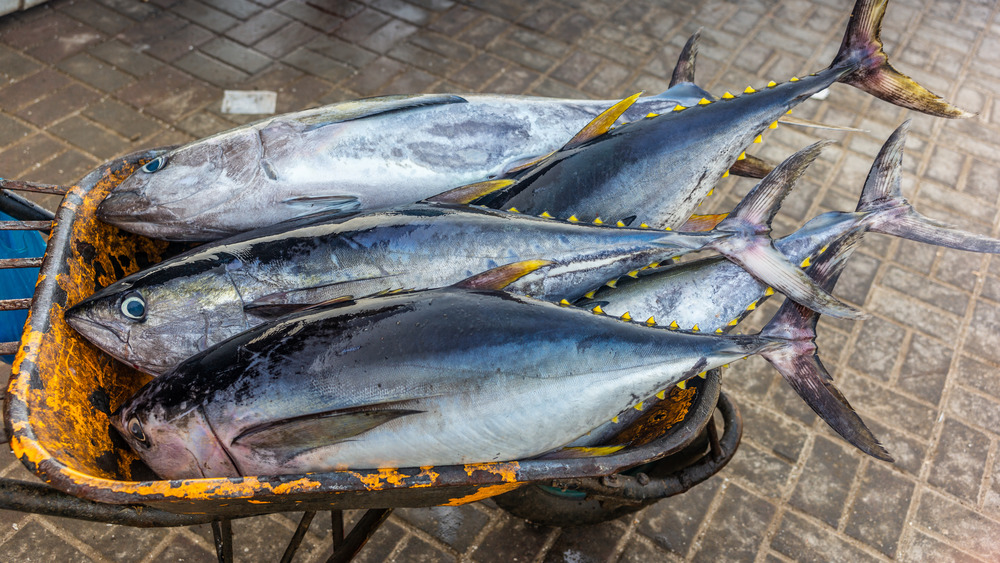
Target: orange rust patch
<point>663,416</point>
<point>483,493</point>
<point>507,471</point>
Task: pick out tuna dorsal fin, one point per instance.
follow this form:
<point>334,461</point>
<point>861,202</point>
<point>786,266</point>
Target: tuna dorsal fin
<point>602,123</point>
<point>684,70</point>
<point>470,192</point>
<point>289,437</point>
<point>501,277</point>
<point>370,107</point>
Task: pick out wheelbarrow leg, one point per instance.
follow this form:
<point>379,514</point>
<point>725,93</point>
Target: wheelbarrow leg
<point>337,523</point>
<point>222,531</point>
<point>300,533</point>
<point>360,534</point>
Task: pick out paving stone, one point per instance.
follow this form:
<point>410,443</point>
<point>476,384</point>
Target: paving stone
<point>361,25</point>
<point>412,80</point>
<point>773,432</point>
<point>642,552</point>
<point>126,58</point>
<point>210,70</point>
<point>205,15</point>
<point>84,133</point>
<point>959,525</point>
<point>959,460</point>
<point>258,27</point>
<point>179,43</point>
<point>33,543</point>
<point>11,130</point>
<point>68,42</point>
<point>745,519</point>
<point>14,66</point>
<point>234,54</point>
<point>760,469</point>
<point>803,540</point>
<point>586,544</point>
<point>879,511</point>
<point>513,540</point>
<point>312,16</point>
<point>456,526</point>
<point>93,72</point>
<point>484,32</point>
<point>136,11</point>
<point>24,155</point>
<point>183,549</point>
<point>673,522</point>
<point>240,9</point>
<point>984,341</point>
<point>925,548</point>
<point>313,63</point>
<point>117,543</point>
<point>65,169</point>
<point>874,351</point>
<point>925,369</point>
<point>96,16</point>
<point>31,88</point>
<point>909,452</point>
<point>979,376</point>
<point>425,60</point>
<point>342,51</point>
<point>419,551</point>
<point>203,124</point>
<point>479,71</point>
<point>958,269</point>
<point>403,10</point>
<point>61,103</point>
<point>825,481</point>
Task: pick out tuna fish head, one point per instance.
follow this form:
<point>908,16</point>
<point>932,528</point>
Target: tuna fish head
<point>185,182</point>
<point>177,445</point>
<point>159,315</point>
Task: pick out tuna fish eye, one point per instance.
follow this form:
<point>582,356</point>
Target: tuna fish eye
<point>134,306</point>
<point>154,165</point>
<point>135,429</point>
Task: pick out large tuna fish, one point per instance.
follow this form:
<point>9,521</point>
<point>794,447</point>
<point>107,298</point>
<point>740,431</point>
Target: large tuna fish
<point>157,317</point>
<point>688,295</point>
<point>355,156</point>
<point>445,376</point>
<point>657,170</point>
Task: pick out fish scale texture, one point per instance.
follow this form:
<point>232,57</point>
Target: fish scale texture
<point>83,81</point>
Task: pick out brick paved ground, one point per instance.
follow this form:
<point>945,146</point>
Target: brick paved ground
<point>83,81</point>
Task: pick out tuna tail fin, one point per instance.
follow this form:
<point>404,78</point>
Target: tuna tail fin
<point>890,213</point>
<point>869,69</point>
<point>796,357</point>
<point>751,248</point>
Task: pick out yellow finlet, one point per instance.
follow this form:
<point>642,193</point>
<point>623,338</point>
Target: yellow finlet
<point>667,229</point>
<point>679,107</point>
<point>734,322</point>
<point>805,263</point>
<point>597,310</point>
<point>695,329</point>
<point>611,283</point>
<point>565,303</point>
<point>759,139</point>
<point>771,84</point>
<point>793,79</point>
<point>661,395</point>
<point>704,102</point>
<point>598,221</point>
<point>703,374</point>
<point>749,90</point>
<point>710,192</point>
<point>633,274</point>
<point>615,420</point>
<point>638,406</point>
<point>573,219</point>
<point>727,96</point>
<point>545,215</point>
<point>626,316</point>
<point>822,250</point>
<point>682,385</point>
<point>752,306</point>
<point>718,331</point>
<point>743,156</point>
<point>650,321</point>
<point>673,325</point>
<point>651,114</point>
<point>654,265</point>
<point>513,210</point>
<point>643,226</point>
<point>602,123</point>
<point>725,174</point>
<point>590,294</point>
<point>725,366</point>
<point>773,125</point>
<point>619,224</point>
<point>769,291</point>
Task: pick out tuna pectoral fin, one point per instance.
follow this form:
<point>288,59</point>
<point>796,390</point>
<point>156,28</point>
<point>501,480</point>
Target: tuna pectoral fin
<point>501,277</point>
<point>750,247</point>
<point>275,309</point>
<point>699,223</point>
<point>470,192</point>
<point>809,378</point>
<point>292,436</point>
<point>869,69</point>
<point>305,205</point>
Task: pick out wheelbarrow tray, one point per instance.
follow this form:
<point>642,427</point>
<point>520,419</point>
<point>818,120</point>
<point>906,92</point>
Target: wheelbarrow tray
<point>63,389</point>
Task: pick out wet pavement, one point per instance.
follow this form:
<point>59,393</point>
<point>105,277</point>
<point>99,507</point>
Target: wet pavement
<point>84,81</point>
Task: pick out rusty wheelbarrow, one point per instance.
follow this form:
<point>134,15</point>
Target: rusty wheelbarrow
<point>63,389</point>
